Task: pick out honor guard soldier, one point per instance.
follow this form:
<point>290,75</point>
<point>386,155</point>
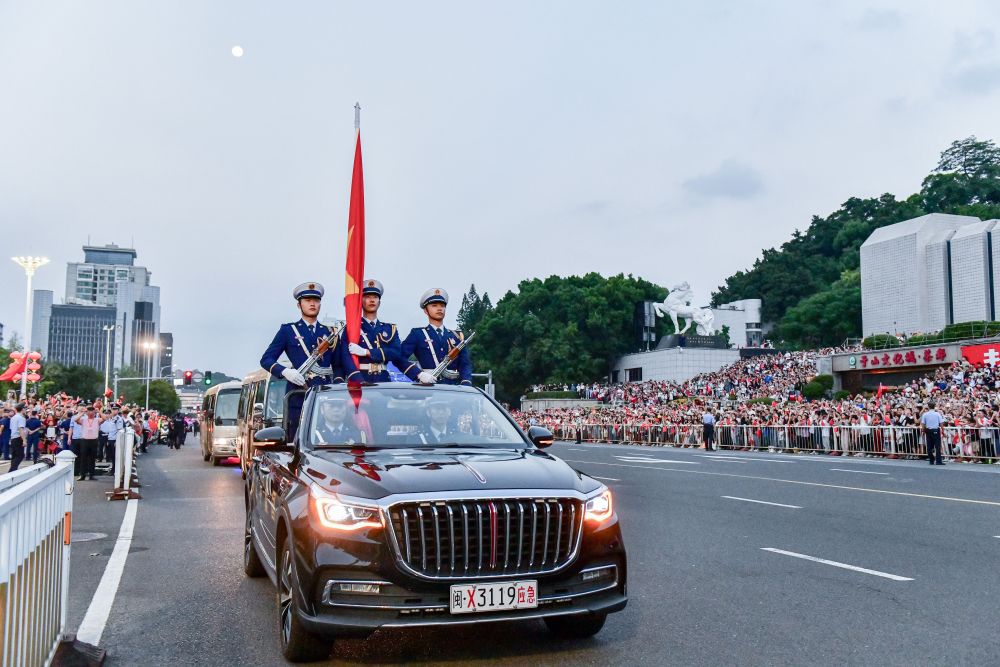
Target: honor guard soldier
<point>431,344</point>
<point>378,345</point>
<point>297,340</point>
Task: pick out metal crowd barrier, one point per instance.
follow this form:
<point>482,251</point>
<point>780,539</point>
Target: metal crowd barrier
<point>35,523</point>
<point>959,443</point>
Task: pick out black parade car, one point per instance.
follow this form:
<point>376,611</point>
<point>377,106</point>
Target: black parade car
<point>401,505</point>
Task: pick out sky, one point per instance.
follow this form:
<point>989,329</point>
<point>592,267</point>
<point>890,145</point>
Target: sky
<point>502,141</point>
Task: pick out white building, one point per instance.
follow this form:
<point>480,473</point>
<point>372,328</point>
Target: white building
<point>920,275</point>
<point>743,319</point>
<point>106,288</point>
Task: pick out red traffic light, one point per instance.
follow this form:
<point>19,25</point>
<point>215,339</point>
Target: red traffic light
<point>188,377</point>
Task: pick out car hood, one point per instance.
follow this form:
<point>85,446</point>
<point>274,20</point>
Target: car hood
<point>379,473</point>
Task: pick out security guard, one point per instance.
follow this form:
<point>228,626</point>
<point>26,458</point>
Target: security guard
<point>379,343</point>
<point>297,340</point>
<point>432,343</point>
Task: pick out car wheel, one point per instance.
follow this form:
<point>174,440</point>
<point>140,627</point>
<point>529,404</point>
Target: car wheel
<point>577,626</point>
<point>216,460</point>
<point>252,566</point>
<point>205,456</point>
<point>297,643</point>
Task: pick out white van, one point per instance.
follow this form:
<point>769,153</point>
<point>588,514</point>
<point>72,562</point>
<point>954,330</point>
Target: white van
<point>218,421</point>
<point>262,403</point>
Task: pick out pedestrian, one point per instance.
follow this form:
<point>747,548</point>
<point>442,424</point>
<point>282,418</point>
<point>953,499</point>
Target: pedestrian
<point>34,435</point>
<point>432,343</point>
<point>930,424</point>
<point>708,429</point>
<point>178,431</point>
<point>298,340</point>
<point>76,438</point>
<point>378,344</point>
<point>18,435</point>
<point>5,414</point>
<point>90,424</point>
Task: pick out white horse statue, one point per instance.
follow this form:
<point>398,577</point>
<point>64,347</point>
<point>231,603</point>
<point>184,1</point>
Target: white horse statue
<point>678,305</point>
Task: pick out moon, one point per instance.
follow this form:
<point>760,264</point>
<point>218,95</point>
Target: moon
<point>237,51</point>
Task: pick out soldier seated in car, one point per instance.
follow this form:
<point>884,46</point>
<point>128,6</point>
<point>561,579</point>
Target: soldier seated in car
<point>439,427</point>
<point>333,426</point>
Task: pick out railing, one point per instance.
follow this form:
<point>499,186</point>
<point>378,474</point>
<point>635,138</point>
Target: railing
<point>959,443</point>
<point>35,524</point>
<point>125,474</point>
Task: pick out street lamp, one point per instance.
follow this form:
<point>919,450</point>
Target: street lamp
<point>30,265</point>
<point>107,356</point>
<point>149,347</point>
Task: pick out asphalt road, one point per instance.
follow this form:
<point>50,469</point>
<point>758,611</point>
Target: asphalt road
<point>712,579</point>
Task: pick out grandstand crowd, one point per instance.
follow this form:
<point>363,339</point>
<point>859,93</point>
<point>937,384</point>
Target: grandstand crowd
<point>757,404</point>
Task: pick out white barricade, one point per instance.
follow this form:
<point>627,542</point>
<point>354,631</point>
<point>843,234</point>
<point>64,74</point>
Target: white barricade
<point>124,466</point>
<point>35,525</point>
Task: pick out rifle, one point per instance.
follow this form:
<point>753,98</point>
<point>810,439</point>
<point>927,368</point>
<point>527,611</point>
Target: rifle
<point>442,368</point>
<point>321,348</point>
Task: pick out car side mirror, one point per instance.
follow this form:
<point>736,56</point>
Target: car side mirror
<point>258,409</point>
<point>272,436</point>
<point>540,436</point>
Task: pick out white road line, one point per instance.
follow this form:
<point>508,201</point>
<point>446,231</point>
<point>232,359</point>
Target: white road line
<point>92,626</point>
<point>845,566</point>
<point>575,450</point>
<point>972,501</point>
<point>636,459</point>
<point>741,459</point>
<point>861,472</point>
<point>607,479</point>
<point>763,502</point>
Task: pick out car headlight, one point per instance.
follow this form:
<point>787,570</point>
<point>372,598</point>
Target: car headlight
<point>600,506</point>
<point>335,513</point>
<point>224,441</point>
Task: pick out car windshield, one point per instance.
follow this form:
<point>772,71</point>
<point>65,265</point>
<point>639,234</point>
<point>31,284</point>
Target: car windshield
<point>225,407</point>
<point>409,417</point>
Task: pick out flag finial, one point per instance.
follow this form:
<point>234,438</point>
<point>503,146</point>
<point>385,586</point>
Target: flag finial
<point>357,115</point>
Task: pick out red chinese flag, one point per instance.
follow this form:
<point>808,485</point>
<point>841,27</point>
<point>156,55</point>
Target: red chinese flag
<point>18,367</point>
<point>355,273</point>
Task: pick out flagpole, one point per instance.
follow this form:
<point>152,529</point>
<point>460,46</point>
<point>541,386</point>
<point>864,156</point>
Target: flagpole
<point>357,116</point>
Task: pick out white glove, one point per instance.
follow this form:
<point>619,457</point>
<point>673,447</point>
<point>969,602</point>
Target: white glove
<point>293,376</point>
<point>426,378</point>
<point>357,350</point>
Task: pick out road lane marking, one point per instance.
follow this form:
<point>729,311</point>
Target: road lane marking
<point>844,566</point>
<point>92,626</point>
<point>720,459</point>
<point>861,472</point>
<point>570,449</point>
<point>607,479</point>
<point>763,502</point>
<point>972,501</point>
<point>636,459</point>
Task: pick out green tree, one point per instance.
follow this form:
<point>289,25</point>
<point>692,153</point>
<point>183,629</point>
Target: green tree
<point>828,317</point>
<point>560,330</point>
<point>474,308</point>
<point>162,395</point>
<point>82,381</point>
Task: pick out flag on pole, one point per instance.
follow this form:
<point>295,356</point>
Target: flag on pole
<point>17,367</point>
<point>355,270</point>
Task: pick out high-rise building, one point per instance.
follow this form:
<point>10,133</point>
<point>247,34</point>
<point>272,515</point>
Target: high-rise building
<point>106,290</point>
<point>919,275</point>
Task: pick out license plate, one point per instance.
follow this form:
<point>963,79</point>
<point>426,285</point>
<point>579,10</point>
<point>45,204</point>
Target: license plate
<point>475,598</point>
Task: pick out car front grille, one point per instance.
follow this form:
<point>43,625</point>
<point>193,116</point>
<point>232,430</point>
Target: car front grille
<point>485,538</point>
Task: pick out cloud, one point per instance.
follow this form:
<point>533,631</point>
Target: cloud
<point>977,80</point>
<point>731,180</point>
<point>879,20</point>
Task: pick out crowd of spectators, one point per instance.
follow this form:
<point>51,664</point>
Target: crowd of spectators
<point>45,426</point>
<point>757,404</point>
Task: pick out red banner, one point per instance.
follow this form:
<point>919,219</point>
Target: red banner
<point>355,272</point>
<point>987,355</point>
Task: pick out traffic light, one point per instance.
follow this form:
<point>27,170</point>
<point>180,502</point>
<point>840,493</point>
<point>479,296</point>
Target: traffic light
<point>188,376</point>
<point>208,378</point>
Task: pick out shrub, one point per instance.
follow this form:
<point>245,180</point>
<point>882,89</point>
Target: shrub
<point>841,395</point>
<point>551,394</point>
<point>825,380</point>
<point>880,342</point>
<point>813,390</point>
<point>765,400</point>
<point>923,339</point>
<point>977,329</point>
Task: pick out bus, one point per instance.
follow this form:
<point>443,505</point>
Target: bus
<point>261,404</point>
<point>218,421</point>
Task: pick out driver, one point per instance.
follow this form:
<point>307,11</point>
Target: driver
<point>438,430</point>
<point>333,427</point>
